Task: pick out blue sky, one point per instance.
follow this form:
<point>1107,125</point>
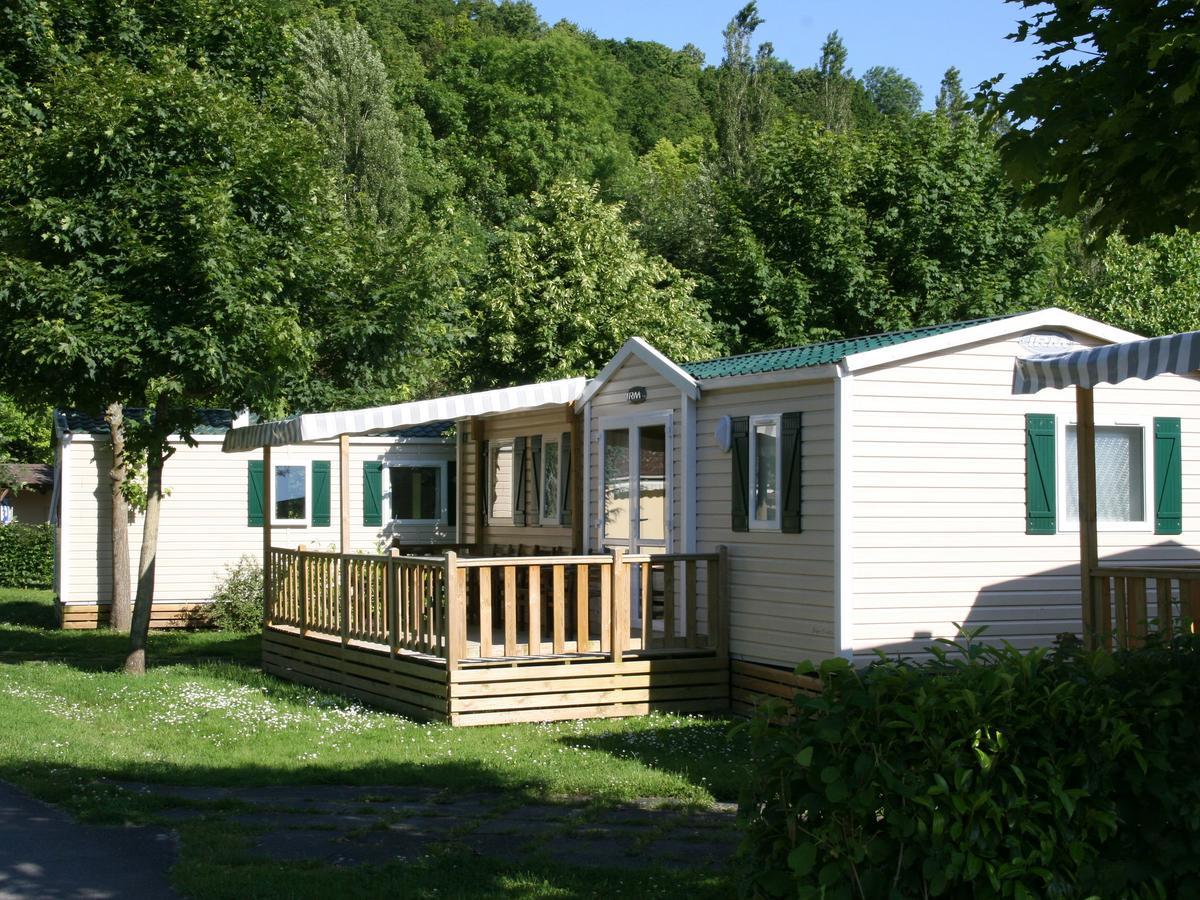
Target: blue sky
<point>921,38</point>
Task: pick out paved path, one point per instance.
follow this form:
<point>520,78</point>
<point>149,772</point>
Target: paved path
<point>46,855</point>
<point>348,825</point>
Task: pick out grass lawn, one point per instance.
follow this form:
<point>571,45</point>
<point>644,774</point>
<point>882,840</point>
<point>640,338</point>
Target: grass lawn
<point>204,715</point>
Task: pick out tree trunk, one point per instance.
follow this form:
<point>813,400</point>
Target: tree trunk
<point>120,614</point>
<point>156,456</point>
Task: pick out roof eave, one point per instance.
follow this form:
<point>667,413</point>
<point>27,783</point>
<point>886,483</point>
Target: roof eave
<point>1052,317</point>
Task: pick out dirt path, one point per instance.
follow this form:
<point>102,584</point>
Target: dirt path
<point>46,855</point>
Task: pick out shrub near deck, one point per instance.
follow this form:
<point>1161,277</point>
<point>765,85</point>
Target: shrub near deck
<point>989,774</point>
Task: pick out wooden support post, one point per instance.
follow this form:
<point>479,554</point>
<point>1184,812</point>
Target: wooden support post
<point>267,509</point>
<point>392,593</point>
<point>620,599</point>
<point>302,588</point>
<point>718,590</point>
<point>344,489</point>
<point>344,598</point>
<point>1085,433</point>
<point>456,611</point>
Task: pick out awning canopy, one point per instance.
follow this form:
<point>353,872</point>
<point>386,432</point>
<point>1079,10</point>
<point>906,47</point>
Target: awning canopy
<point>322,426</point>
<point>1111,364</point>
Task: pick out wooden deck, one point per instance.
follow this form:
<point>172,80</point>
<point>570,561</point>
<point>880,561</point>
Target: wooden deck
<point>477,641</point>
<point>1129,603</point>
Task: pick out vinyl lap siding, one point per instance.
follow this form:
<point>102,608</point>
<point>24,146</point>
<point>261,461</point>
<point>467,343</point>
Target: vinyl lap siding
<point>203,527</point>
<point>939,489</point>
<point>781,585</point>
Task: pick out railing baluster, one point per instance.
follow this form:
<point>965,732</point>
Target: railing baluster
<point>534,642</point>
<point>510,611</point>
<point>669,603</point>
<point>559,602</point>
<point>646,603</point>
<point>582,598</point>
<point>605,606</point>
<point>689,589</point>
<point>485,612</point>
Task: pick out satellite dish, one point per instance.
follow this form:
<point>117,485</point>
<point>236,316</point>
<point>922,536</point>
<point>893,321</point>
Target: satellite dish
<point>724,433</point>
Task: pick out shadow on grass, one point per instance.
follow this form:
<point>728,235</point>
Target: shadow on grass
<point>704,753</point>
<point>29,631</point>
<point>215,859</point>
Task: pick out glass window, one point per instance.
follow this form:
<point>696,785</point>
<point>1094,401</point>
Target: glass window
<point>616,484</point>
<point>500,483</point>
<point>291,493</point>
<point>416,493</point>
<point>764,477</point>
<point>551,462</point>
<point>1120,474</point>
<point>652,483</point>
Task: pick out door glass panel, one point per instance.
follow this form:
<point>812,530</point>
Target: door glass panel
<point>616,484</point>
<point>652,481</point>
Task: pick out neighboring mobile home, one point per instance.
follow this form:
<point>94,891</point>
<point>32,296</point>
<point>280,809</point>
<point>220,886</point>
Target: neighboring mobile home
<point>400,492</point>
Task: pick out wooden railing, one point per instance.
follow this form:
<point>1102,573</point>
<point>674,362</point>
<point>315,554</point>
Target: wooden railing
<point>395,600</point>
<point>1125,595</point>
<point>467,608</point>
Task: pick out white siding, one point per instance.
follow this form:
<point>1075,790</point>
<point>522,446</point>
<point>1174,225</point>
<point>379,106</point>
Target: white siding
<point>203,527</point>
<point>781,585</point>
<point>939,491</point>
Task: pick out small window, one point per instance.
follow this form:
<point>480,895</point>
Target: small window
<point>500,481</point>
<point>291,495</point>
<point>764,471</point>
<point>550,478</point>
<point>1120,474</point>
<point>417,493</point>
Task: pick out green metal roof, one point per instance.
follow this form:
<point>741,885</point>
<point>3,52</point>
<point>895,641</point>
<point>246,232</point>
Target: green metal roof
<point>816,354</point>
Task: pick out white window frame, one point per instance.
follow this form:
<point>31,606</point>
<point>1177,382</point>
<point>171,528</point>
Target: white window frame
<point>276,464</point>
<point>611,423</point>
<point>556,516</point>
<point>443,467</point>
<point>757,524</point>
<point>492,445</point>
<point>1146,524</point>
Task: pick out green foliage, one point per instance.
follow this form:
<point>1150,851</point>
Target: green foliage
<point>1151,288</point>
<point>1110,124</point>
<point>345,94</point>
<point>841,234</point>
<point>26,555</point>
<point>237,603</point>
<point>983,773</point>
<point>26,433</point>
<point>893,93</point>
<point>568,285</point>
<point>952,100</point>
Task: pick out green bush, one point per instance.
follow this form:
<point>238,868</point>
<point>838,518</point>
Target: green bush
<point>237,603</point>
<point>982,773</point>
<point>26,556</point>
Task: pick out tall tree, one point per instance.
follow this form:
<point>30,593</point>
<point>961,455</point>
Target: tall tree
<point>344,92</point>
<point>177,261</point>
<point>742,99</point>
<point>836,83</point>
<point>120,613</point>
<point>1110,124</point>
<point>892,93</point>
<point>568,284</point>
<point>951,100</point>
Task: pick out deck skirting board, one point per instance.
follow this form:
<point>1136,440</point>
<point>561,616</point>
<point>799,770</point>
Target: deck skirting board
<point>424,688</point>
<point>751,683</point>
<point>85,616</point>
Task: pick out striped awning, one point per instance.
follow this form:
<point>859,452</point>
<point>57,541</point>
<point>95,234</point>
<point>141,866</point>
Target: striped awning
<point>380,419</point>
<point>1111,364</point>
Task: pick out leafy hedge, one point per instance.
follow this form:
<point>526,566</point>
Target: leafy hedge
<point>987,773</point>
<point>26,556</point>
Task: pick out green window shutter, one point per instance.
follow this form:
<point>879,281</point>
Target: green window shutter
<point>373,492</point>
<point>1168,478</point>
<point>320,492</point>
<point>740,480</point>
<point>254,504</point>
<point>790,449</point>
<point>535,445</point>
<point>1040,493</point>
<point>518,481</point>
<point>564,480</point>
